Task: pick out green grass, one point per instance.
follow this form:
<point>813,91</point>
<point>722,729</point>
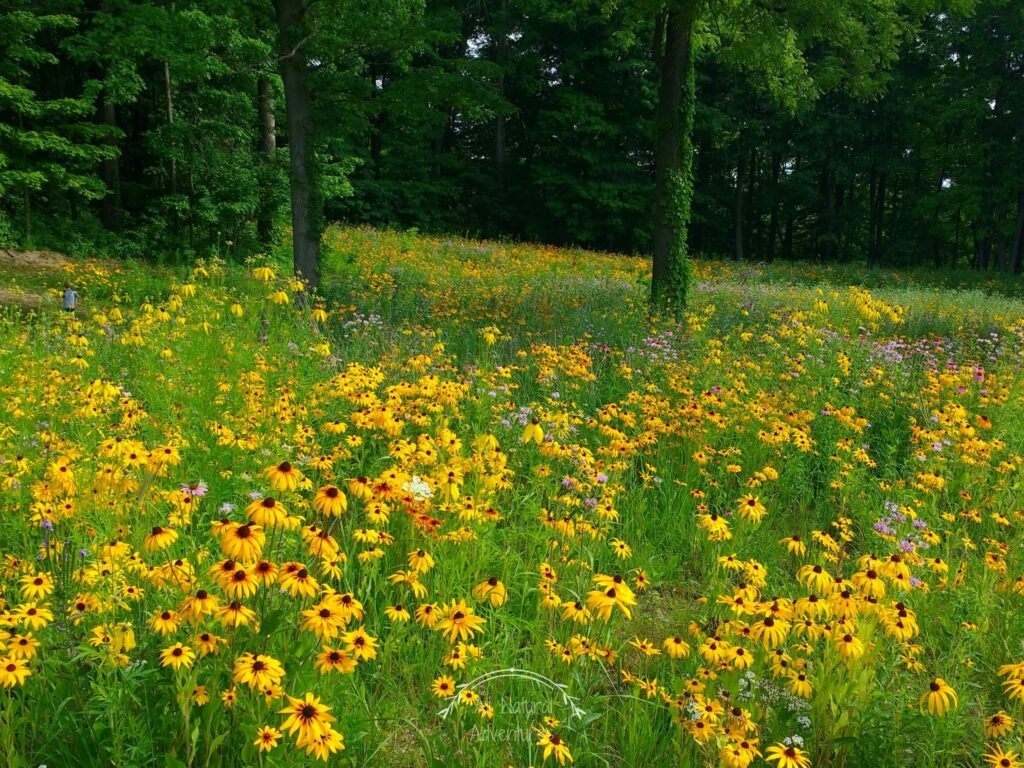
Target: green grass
<point>824,392</point>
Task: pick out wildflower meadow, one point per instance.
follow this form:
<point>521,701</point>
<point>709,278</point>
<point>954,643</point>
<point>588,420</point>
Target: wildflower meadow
<point>471,504</point>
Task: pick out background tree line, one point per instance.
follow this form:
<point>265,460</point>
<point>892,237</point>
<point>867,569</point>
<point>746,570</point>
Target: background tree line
<point>879,131</point>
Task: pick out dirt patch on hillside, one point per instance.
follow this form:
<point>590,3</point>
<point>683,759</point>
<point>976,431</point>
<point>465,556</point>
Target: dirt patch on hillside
<point>22,299</point>
<point>47,260</point>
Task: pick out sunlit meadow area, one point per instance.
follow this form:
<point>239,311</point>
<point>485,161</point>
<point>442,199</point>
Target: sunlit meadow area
<point>472,505</point>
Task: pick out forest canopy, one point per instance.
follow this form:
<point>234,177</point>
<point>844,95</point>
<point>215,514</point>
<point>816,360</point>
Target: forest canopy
<point>875,131</point>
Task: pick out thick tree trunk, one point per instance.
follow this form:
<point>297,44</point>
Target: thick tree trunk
<point>306,202</point>
<point>268,146</point>
<point>673,160</point>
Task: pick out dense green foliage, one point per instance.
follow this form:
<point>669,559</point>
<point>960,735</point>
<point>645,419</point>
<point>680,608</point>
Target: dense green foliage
<point>883,131</point>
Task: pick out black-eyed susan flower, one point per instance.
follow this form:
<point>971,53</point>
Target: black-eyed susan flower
<point>321,745</point>
<point>443,687</point>
<point>200,695</point>
<point>427,615</point>
<point>800,684</point>
<point>267,512</point>
<point>335,660</point>
<point>165,622</point>
<point>939,699</point>
<point>1014,688</point>
<point>849,646</point>
<point>553,746</point>
<point>420,560</point>
<point>676,647</point>
<point>308,717</point>
<point>360,644</point>
<point>997,757</point>
<point>739,753</point>
<point>750,508</point>
<point>177,657</point>
<point>36,586</point>
<point>787,756</point>
<point>398,613</point>
<point>794,545</point>
<point>13,671</point>
<point>160,538</point>
<point>267,738</point>
<point>298,582</point>
<point>208,643</point>
<point>243,542</point>
<point>533,433</point>
<point>330,501</point>
<point>235,614</point>
<point>258,671</point>
<point>459,622</point>
<point>998,725</point>
<point>613,592</point>
<point>491,590</point>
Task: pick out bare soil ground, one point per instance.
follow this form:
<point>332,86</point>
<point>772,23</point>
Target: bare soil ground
<point>47,260</point>
<point>16,264</point>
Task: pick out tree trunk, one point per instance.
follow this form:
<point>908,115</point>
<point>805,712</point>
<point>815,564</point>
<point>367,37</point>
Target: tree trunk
<point>773,218</point>
<point>110,205</point>
<point>192,208</point>
<point>673,160</point>
<point>934,227</point>
<point>839,231</point>
<point>984,248</point>
<point>268,145</point>
<point>376,118</point>
<point>307,205</point>
<point>1018,237</point>
<point>738,207</point>
<point>956,238</point>
<point>702,174</point>
<point>787,237</point>
<point>876,215</point>
<point>827,243</point>
<point>169,106</point>
<point>752,232</point>
<point>500,48</point>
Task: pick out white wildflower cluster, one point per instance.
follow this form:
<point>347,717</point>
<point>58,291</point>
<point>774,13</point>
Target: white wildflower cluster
<point>418,488</point>
<point>794,741</point>
<point>770,693</point>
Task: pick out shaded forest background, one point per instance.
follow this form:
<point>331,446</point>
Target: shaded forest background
<point>149,128</point>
